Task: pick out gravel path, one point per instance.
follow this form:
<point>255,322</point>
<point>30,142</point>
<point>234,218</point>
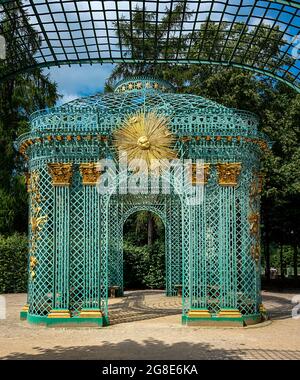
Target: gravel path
<point>146,325</point>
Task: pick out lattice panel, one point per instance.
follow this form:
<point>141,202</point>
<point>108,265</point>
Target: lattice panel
<point>115,259</point>
<point>77,253</point>
<point>213,245</point>
<point>40,287</point>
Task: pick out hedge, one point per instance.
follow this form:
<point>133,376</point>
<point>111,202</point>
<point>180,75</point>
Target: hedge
<point>144,267</point>
<point>13,263</point>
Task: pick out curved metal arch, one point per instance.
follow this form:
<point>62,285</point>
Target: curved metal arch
<point>81,32</point>
<point>155,210</point>
<point>290,3</point>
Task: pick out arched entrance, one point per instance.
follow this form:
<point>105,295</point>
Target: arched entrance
<point>168,208</point>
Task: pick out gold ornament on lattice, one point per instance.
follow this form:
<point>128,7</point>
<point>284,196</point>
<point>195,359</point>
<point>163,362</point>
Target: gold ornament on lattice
<point>145,137</point>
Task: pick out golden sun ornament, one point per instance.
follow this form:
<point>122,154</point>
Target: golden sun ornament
<point>145,137</point>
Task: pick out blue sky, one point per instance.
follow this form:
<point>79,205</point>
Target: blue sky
<point>75,81</point>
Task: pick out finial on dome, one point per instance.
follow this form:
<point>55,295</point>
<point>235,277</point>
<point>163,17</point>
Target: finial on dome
<point>143,84</point>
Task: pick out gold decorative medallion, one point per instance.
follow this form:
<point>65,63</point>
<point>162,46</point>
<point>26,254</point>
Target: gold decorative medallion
<point>228,173</point>
<point>37,221</point>
<point>32,264</point>
<point>90,173</point>
<point>145,137</point>
<point>254,224</point>
<point>255,251</point>
<point>61,173</point>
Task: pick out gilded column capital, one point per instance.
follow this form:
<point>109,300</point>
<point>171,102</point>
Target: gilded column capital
<point>90,173</point>
<point>228,173</point>
<point>199,174</point>
<point>61,174</point>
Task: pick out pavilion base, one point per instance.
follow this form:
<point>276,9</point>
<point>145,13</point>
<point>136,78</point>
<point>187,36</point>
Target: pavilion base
<point>225,318</point>
<point>78,321</point>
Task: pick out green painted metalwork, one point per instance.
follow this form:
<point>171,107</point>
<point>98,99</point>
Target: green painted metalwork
<point>86,32</point>
<point>212,243</point>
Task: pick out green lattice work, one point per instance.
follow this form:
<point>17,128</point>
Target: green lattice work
<point>212,236</point>
<point>235,34</point>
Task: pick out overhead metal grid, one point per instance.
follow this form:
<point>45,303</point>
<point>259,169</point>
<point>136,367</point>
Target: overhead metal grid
<point>214,32</point>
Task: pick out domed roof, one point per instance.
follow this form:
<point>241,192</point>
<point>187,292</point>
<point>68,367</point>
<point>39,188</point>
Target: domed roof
<point>102,113</point>
<point>130,95</point>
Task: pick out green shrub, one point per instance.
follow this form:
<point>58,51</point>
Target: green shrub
<point>154,278</point>
<point>13,263</point>
<point>144,267</point>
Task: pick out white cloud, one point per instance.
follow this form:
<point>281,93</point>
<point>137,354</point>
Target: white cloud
<point>75,81</point>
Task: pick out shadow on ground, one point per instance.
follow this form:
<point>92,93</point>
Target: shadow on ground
<point>277,307</point>
<point>152,349</point>
<point>133,308</point>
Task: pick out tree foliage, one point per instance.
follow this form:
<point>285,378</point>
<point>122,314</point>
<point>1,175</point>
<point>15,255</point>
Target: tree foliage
<point>13,263</point>
<point>144,263</point>
<point>19,97</point>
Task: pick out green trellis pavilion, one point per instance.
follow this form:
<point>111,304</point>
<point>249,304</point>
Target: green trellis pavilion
<point>212,235</point>
<point>76,232</point>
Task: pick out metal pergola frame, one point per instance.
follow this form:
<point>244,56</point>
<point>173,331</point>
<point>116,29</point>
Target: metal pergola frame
<point>86,32</point>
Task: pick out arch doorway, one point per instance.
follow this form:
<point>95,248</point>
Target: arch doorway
<point>144,260</point>
<point>167,210</point>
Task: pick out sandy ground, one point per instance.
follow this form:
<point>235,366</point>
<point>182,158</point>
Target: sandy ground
<point>146,325</point>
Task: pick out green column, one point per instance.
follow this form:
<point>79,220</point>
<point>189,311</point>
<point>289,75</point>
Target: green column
<point>91,223</point>
<point>61,179</point>
<point>228,174</point>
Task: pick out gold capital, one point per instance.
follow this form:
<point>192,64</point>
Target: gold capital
<point>61,174</point>
<point>199,173</point>
<point>90,173</point>
<point>228,173</point>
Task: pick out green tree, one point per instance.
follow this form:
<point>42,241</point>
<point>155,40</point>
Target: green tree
<point>19,97</point>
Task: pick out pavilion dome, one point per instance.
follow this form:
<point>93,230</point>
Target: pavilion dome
<point>189,114</point>
<point>133,94</point>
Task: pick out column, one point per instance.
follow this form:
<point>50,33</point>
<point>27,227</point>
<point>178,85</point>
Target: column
<point>104,235</point>
<point>61,174</point>
<point>228,174</point>
<point>91,304</point>
<point>198,312</point>
<point>115,262</point>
